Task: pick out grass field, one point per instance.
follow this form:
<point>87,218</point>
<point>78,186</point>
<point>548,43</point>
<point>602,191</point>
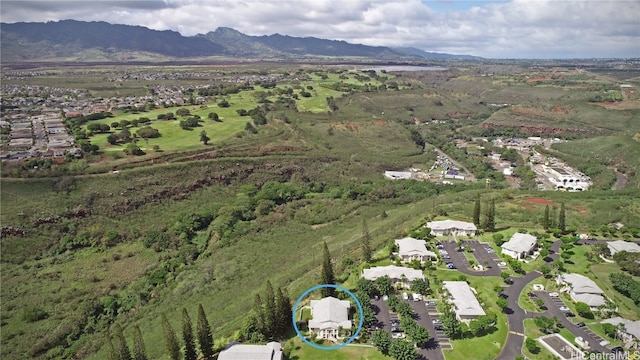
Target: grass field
<point>356,351</point>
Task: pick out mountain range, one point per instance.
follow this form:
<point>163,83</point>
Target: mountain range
<point>71,40</point>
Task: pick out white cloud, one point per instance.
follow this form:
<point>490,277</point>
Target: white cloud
<point>515,29</point>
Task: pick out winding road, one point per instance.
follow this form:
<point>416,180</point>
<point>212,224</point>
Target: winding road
<point>515,315</point>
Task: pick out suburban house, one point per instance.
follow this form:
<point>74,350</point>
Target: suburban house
<point>452,227</point>
<point>520,246</point>
<point>410,249</point>
<point>235,351</point>
<point>400,276</point>
<point>328,315</point>
<point>581,289</point>
<point>463,298</point>
<point>621,245</point>
<point>628,330</point>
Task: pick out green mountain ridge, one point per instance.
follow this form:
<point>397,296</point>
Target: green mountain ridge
<point>68,40</point>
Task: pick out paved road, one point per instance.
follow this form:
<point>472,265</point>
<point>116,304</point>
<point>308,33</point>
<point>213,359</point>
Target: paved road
<point>621,181</point>
<point>515,317</point>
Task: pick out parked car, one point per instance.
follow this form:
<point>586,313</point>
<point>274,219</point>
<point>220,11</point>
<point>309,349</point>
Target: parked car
<point>405,296</point>
<point>430,303</point>
<point>438,327</point>
<point>451,266</point>
<point>503,295</point>
<point>508,281</point>
<point>564,308</point>
<point>398,335</point>
<point>436,321</point>
<point>617,349</point>
<point>554,294</point>
<point>502,263</point>
<point>581,324</point>
<point>569,314</point>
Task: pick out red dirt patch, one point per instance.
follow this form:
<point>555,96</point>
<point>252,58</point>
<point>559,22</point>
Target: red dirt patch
<point>524,206</point>
<point>582,211</point>
<point>540,201</point>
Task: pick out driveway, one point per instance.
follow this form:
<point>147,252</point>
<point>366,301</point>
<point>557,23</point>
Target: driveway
<point>553,309</point>
<point>381,310</point>
<point>431,350</point>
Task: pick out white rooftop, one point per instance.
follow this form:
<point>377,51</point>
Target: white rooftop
<point>581,284</point>
<point>451,224</point>
<point>330,313</point>
<point>270,351</point>
<point>392,271</point>
<point>411,246</point>
<point>621,245</point>
<point>630,326</point>
<point>520,243</point>
<point>464,299</point>
<point>398,175</point>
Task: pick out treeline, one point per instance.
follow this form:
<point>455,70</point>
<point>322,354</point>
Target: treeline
<point>626,285</point>
<point>224,89</point>
<point>117,348</point>
<point>270,318</point>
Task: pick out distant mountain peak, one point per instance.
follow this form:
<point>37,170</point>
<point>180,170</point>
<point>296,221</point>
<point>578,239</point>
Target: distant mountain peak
<point>70,38</point>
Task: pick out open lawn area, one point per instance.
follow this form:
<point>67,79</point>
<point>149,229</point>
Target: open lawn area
<point>302,351</point>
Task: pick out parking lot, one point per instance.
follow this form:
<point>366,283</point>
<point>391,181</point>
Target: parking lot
<point>554,303</point>
<point>479,253</point>
<point>425,313</point>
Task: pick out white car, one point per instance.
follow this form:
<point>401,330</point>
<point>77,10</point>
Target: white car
<point>564,308</point>
<point>554,294</point>
<point>417,297</point>
<point>397,335</point>
<point>405,296</point>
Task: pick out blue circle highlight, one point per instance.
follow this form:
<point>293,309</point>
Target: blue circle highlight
<point>320,347</point>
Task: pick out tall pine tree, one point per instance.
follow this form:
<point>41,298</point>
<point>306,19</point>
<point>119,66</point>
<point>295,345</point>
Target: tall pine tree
<point>187,337</point>
<point>139,350</point>
<point>122,350</point>
<point>170,339</point>
<point>561,219</point>
<point>490,220</point>
<point>546,222</point>
<point>205,338</point>
<point>283,313</point>
<point>553,223</point>
<point>258,309</point>
<point>326,276</point>
<point>270,321</point>
<point>366,242</point>
<point>476,212</point>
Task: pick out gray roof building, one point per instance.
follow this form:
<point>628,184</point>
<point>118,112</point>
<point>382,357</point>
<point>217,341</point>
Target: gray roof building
<point>270,351</point>
<point>464,300</point>
<point>621,245</point>
<point>582,289</point>
<point>519,246</point>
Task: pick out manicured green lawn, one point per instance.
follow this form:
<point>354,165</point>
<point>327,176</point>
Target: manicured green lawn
<point>303,351</point>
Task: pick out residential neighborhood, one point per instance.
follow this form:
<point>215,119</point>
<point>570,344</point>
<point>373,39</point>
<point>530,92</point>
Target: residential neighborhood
<point>440,284</point>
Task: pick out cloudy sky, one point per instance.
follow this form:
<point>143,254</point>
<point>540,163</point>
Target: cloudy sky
<point>492,29</point>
